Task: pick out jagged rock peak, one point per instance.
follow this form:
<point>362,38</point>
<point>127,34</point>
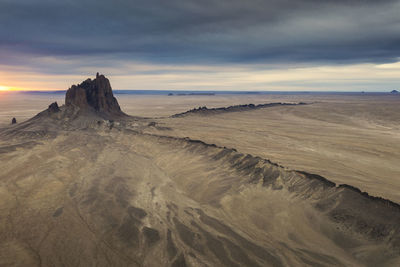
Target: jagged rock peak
<point>93,94</point>
<point>53,108</point>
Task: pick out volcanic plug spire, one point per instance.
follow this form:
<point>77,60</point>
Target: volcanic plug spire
<point>94,94</point>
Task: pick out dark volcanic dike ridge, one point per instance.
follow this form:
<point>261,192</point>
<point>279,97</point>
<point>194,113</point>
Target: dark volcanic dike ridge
<point>237,108</point>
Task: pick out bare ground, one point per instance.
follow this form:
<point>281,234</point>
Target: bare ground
<point>137,193</point>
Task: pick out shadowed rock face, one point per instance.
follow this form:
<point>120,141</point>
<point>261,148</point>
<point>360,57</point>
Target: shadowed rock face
<point>53,108</point>
<point>13,121</point>
<point>93,94</point>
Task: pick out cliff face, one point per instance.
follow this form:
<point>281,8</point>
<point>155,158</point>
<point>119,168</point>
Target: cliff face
<point>94,94</point>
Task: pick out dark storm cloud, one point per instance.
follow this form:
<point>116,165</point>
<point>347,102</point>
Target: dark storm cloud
<point>201,31</point>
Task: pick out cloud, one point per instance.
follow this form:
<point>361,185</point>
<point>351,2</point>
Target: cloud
<point>187,37</point>
<point>204,31</point>
<point>144,76</point>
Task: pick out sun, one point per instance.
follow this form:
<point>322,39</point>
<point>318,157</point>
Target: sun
<point>4,88</point>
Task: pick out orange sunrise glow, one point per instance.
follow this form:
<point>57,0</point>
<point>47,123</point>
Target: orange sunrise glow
<point>4,88</point>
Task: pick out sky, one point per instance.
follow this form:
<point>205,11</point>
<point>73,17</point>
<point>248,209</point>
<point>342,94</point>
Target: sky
<point>266,45</point>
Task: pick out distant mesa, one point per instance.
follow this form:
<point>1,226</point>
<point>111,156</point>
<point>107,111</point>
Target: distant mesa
<point>394,92</point>
<point>195,94</point>
<point>191,94</point>
<point>94,95</point>
<point>13,121</point>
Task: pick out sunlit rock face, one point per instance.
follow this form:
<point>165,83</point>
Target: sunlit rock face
<point>93,94</point>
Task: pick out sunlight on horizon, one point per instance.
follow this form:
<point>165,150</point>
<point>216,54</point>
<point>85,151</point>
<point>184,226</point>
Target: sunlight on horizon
<point>5,88</point>
<point>22,89</point>
<point>351,77</point>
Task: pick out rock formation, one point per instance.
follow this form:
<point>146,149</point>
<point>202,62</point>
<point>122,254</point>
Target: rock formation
<point>394,92</point>
<point>13,121</point>
<point>53,108</point>
<point>208,111</point>
<point>95,95</point>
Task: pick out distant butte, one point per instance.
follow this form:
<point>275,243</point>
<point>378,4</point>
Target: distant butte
<point>95,95</point>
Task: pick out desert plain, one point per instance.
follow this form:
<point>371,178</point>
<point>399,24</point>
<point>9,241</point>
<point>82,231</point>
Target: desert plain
<point>315,184</point>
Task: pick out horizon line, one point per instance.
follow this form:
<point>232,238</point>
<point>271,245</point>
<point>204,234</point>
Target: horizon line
<point>118,91</point>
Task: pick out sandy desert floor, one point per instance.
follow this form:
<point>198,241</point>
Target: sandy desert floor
<point>145,193</point>
<point>347,139</point>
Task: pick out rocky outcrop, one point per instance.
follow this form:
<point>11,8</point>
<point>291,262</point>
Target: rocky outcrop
<point>13,121</point>
<point>53,108</point>
<point>352,211</point>
<point>210,111</point>
<point>94,95</point>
